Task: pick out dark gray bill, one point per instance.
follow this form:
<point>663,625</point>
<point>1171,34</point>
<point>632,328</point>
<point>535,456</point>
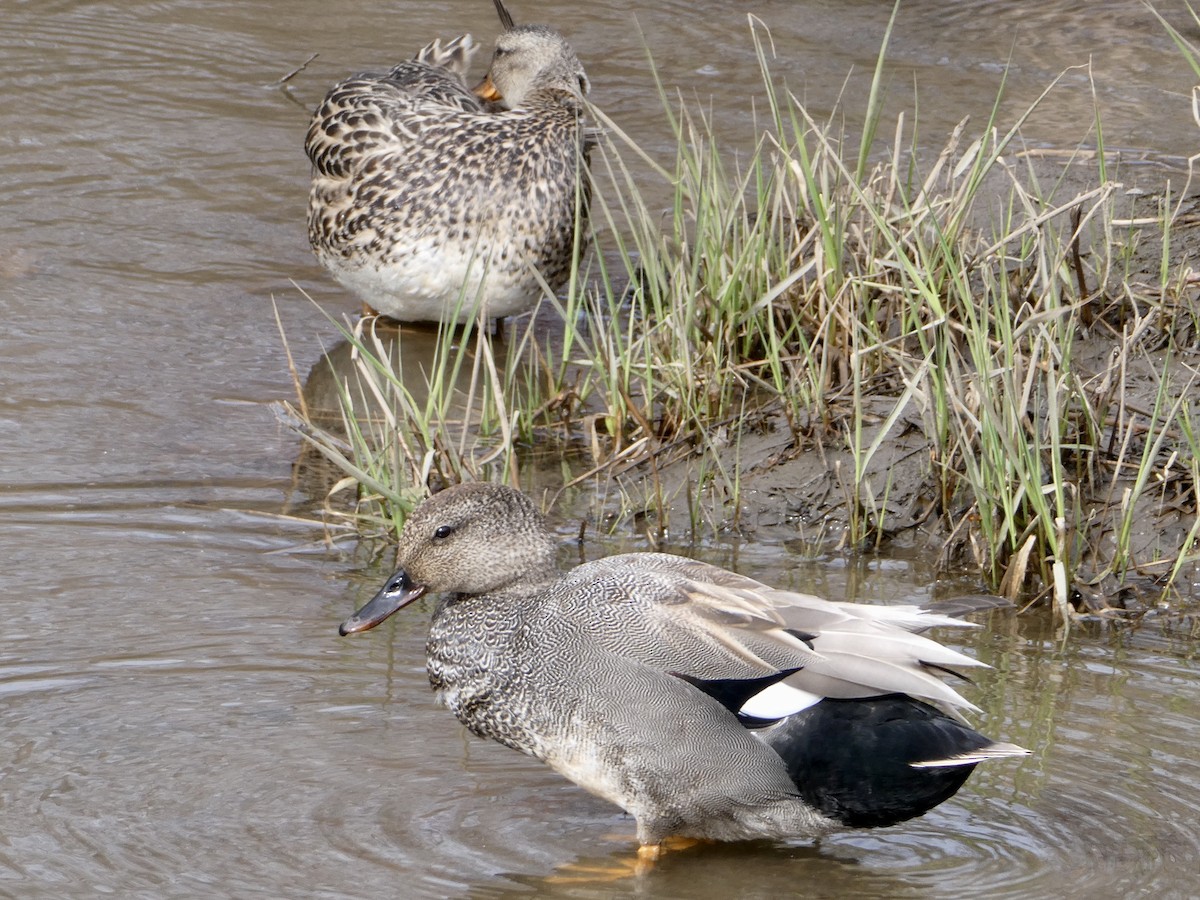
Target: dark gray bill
<point>398,592</point>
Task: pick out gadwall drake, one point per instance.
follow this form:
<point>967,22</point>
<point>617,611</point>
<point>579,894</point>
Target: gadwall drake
<point>434,204</point>
<point>705,703</point>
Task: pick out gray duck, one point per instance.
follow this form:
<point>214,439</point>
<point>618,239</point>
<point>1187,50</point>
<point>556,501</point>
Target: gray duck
<point>706,704</point>
<point>435,203</point>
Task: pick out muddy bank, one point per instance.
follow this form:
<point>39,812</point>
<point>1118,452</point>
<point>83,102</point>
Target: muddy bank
<point>1131,513</point>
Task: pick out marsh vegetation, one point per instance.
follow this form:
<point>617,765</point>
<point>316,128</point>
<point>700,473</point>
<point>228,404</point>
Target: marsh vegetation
<point>985,350</point>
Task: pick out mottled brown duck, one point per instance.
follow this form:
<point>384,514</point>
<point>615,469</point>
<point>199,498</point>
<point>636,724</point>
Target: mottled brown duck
<point>431,202</point>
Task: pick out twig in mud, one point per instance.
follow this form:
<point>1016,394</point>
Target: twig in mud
<point>296,71</point>
<point>1085,309</point>
<point>296,382</point>
<point>288,416</point>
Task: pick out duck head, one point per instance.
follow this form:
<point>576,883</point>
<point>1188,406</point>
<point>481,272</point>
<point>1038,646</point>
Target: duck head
<point>469,539</point>
<point>531,58</point>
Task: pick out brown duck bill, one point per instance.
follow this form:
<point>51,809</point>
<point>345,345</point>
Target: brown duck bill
<point>397,593</point>
<point>486,90</point>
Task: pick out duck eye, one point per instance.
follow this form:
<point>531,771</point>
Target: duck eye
<point>442,532</point>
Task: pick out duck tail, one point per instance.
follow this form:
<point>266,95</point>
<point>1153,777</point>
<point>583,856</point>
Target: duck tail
<point>877,761</point>
<point>994,750</point>
<point>454,55</point>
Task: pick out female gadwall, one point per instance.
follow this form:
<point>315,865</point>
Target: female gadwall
<point>706,704</point>
<point>432,205</point>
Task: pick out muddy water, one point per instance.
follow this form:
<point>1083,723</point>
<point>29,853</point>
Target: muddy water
<point>177,715</point>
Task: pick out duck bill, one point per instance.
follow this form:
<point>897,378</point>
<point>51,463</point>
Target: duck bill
<point>485,90</point>
<point>391,598</point>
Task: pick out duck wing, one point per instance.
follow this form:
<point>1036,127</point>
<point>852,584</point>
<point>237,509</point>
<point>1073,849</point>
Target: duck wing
<point>706,623</point>
<point>374,113</point>
<point>647,607</point>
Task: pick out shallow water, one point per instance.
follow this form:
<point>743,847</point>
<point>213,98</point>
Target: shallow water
<point>179,717</point>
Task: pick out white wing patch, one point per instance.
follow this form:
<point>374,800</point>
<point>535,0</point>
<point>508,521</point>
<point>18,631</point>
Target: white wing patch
<point>779,700</point>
